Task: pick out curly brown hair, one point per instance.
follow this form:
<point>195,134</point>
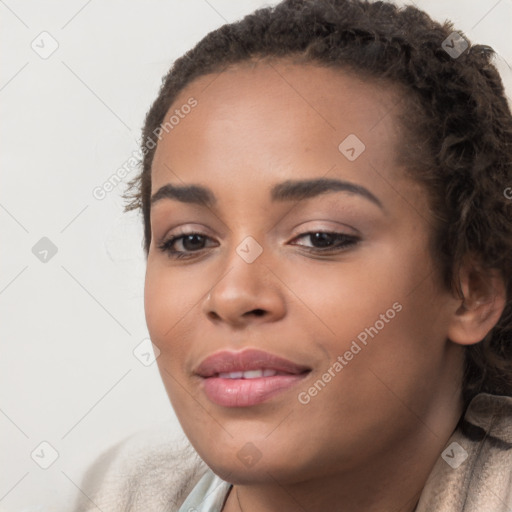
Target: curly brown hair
<point>459,126</point>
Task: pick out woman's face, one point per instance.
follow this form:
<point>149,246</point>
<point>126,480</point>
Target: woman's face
<point>358,310</point>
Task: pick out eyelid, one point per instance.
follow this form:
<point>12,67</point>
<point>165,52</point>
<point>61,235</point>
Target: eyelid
<point>186,229</point>
<point>347,241</point>
<point>191,229</point>
<point>347,229</point>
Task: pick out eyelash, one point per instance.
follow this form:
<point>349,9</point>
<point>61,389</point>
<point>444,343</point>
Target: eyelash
<point>347,241</point>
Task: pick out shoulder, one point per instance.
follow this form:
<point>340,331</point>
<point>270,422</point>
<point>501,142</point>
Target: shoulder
<point>492,416</point>
<point>150,470</point>
<point>474,472</point>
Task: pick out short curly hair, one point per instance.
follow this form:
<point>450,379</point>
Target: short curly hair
<point>459,126</point>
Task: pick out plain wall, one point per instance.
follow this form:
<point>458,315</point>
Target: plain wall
<point>70,324</point>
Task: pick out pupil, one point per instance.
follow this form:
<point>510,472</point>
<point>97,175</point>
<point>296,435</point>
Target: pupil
<point>193,242</point>
<point>324,239</point>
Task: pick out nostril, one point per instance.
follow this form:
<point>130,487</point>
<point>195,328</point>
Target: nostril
<point>213,315</point>
<point>258,312</point>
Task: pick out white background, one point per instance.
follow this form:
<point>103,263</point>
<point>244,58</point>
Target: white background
<point>69,326</point>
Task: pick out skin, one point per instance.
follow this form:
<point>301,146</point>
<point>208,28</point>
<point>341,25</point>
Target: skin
<point>370,438</point>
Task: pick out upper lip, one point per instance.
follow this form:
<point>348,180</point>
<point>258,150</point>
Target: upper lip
<point>250,359</point>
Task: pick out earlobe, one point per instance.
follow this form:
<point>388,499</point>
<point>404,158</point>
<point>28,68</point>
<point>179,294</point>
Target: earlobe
<point>484,298</point>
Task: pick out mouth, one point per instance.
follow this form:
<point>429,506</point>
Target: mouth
<point>250,363</point>
<point>247,378</point>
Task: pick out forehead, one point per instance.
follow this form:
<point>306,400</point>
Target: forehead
<point>273,116</point>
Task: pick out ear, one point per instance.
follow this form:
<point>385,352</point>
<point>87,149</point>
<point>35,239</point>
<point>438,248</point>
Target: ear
<point>484,298</point>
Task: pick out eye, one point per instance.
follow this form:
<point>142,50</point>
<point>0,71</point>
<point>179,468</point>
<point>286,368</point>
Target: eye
<point>186,244</point>
<point>322,241</point>
<point>181,246</point>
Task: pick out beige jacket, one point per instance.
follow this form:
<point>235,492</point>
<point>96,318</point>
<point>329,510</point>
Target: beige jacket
<point>149,472</point>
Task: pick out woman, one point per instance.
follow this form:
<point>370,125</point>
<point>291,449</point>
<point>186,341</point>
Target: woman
<point>328,239</point>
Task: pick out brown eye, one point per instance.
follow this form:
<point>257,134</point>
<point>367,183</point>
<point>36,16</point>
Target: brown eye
<point>322,239</point>
<point>192,242</point>
<point>326,241</point>
<point>182,245</point>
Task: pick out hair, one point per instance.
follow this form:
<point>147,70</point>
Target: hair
<point>457,126</point>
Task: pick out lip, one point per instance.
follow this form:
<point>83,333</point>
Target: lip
<point>242,392</point>
<point>249,359</point>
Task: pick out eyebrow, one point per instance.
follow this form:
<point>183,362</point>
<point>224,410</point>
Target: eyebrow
<point>291,190</point>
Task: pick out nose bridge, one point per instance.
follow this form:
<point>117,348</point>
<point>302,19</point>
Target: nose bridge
<point>245,277</point>
<point>247,288</point>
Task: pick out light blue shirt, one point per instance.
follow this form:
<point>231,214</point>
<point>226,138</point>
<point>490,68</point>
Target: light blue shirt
<point>208,495</point>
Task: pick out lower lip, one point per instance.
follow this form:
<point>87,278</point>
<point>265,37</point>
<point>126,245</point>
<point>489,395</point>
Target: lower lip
<point>247,392</point>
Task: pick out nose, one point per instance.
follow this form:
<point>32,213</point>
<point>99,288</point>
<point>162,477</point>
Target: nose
<point>246,293</point>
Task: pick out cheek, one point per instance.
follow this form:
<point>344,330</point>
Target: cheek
<point>340,300</point>
<point>388,305</point>
<point>169,296</point>
<point>169,301</point>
